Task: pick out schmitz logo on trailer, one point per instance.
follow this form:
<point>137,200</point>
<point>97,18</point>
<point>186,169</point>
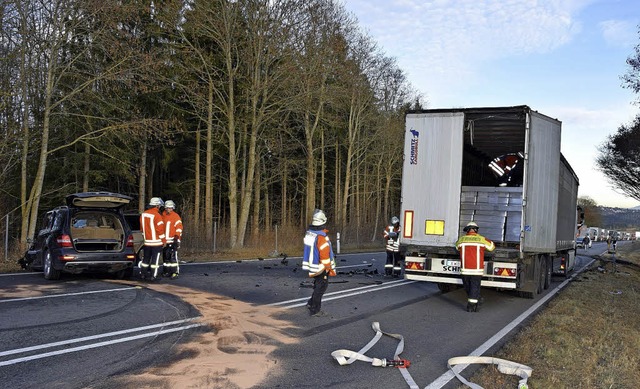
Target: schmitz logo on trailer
<point>413,157</point>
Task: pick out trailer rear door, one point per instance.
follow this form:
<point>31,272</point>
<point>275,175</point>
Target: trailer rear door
<point>431,178</point>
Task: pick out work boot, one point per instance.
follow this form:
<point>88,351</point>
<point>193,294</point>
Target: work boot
<point>472,307</point>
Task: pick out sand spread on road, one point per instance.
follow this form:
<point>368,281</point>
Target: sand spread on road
<point>233,353</point>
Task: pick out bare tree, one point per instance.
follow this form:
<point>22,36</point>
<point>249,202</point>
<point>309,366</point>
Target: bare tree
<point>619,159</point>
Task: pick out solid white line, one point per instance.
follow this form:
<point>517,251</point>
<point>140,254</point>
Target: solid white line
<point>86,338</point>
<point>449,375</point>
<point>266,259</point>
<point>69,294</point>
<point>344,294</point>
<point>96,345</point>
<point>362,265</point>
<point>18,274</point>
<point>338,292</point>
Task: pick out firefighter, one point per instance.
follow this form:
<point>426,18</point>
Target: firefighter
<point>153,230</point>
<point>318,260</point>
<point>173,231</point>
<point>472,247</point>
<point>391,235</point>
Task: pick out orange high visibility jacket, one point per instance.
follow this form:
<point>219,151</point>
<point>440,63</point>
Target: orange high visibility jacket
<point>152,224</point>
<point>472,247</point>
<point>173,226</point>
<point>318,254</point>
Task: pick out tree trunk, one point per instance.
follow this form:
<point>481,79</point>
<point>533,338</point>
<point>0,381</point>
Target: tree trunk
<point>196,185</point>
<point>36,189</point>
<point>255,225</point>
<point>208,191</point>
<point>86,167</point>
<point>142,179</point>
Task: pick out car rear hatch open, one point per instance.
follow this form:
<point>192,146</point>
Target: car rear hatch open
<point>98,200</point>
<point>97,221</point>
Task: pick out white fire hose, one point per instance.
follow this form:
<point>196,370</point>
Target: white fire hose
<point>402,364</point>
<point>504,367</point>
<point>347,357</point>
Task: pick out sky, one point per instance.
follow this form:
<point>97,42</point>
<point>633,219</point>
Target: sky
<point>562,58</point>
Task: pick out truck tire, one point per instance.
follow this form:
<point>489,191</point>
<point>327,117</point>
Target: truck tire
<point>547,276</point>
<point>542,264</point>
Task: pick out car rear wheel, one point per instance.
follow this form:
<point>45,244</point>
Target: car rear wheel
<point>49,272</point>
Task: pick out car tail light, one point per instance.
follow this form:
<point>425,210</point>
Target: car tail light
<point>67,257</point>
<point>64,241</point>
<point>130,241</point>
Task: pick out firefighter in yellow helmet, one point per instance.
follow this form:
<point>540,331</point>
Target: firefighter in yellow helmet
<point>472,246</point>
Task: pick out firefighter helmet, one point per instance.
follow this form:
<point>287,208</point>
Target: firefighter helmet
<point>156,201</point>
<point>471,225</point>
<point>170,204</point>
<point>319,218</point>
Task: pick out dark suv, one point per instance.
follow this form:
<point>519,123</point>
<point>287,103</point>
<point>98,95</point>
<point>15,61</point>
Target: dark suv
<point>89,235</point>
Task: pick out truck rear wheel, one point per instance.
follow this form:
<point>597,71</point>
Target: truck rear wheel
<point>542,273</point>
<point>549,270</point>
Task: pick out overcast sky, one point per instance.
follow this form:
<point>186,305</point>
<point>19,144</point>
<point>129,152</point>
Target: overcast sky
<point>563,58</point>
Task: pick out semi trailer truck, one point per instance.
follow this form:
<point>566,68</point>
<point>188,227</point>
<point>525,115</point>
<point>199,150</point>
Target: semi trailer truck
<point>502,168</point>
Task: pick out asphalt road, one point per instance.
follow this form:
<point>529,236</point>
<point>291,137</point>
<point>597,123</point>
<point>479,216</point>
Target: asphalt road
<point>82,330</point>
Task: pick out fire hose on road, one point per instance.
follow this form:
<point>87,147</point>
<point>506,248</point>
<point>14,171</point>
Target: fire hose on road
<point>347,357</point>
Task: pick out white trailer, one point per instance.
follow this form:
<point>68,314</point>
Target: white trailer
<point>529,210</point>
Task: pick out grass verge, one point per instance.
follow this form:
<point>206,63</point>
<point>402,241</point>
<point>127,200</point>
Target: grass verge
<point>587,337</point>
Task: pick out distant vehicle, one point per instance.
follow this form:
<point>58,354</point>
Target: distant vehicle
<point>579,243</point>
<point>87,235</point>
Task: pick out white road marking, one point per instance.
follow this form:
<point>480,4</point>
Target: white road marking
<point>299,302</point>
<point>68,294</point>
<point>448,376</point>
<point>93,337</point>
<point>96,345</point>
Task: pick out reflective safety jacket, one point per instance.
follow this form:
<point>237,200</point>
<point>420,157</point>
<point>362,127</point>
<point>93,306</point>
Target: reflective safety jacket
<point>152,223</point>
<point>318,253</point>
<point>392,235</point>
<point>472,247</point>
<point>173,226</point>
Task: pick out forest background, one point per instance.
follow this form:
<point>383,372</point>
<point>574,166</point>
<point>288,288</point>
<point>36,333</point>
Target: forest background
<point>248,114</point>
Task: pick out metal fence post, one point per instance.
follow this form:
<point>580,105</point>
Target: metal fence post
<point>6,240</point>
<point>215,233</point>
